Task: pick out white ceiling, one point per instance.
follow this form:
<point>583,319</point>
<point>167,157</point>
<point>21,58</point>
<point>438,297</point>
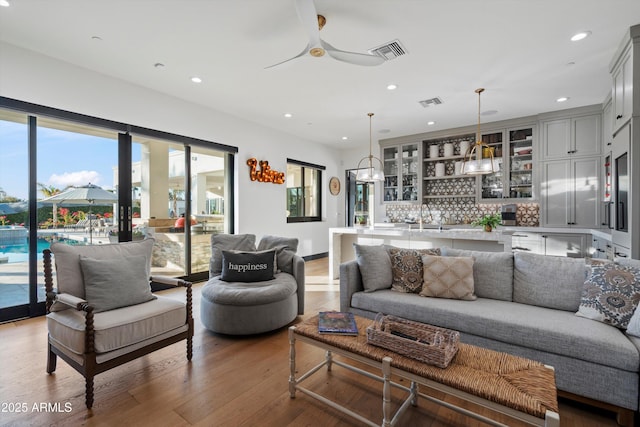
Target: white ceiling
<point>519,50</point>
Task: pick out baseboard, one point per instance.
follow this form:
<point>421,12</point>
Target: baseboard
<point>625,417</point>
<point>316,256</point>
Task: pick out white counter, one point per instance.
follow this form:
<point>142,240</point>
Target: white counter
<point>341,240</point>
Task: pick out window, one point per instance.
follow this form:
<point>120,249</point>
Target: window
<point>303,191</point>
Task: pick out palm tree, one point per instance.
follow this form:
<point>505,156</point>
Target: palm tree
<point>48,191</point>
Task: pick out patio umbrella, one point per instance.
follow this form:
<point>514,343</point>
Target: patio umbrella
<point>85,195</point>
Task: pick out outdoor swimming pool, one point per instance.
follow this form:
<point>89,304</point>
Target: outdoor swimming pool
<point>20,253</point>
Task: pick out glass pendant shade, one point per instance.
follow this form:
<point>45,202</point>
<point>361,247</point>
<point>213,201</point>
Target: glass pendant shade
<point>369,173</point>
<point>473,162</point>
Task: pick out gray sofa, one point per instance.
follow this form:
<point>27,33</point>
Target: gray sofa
<point>526,305</point>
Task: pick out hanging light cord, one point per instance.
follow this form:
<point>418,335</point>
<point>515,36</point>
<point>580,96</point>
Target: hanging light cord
<point>370,147</point>
<point>478,136</point>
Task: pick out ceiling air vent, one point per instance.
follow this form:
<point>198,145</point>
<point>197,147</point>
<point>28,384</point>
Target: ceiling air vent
<point>429,102</point>
<point>389,50</point>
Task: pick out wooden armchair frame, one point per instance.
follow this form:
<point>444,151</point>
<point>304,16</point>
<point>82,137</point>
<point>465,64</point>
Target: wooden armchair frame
<point>90,367</point>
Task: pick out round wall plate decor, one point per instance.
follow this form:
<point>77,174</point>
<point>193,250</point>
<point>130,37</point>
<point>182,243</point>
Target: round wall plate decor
<point>334,185</point>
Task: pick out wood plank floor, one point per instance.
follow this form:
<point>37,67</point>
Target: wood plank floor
<point>231,381</point>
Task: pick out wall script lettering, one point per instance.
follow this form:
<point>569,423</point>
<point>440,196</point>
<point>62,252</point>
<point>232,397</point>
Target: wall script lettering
<point>265,173</point>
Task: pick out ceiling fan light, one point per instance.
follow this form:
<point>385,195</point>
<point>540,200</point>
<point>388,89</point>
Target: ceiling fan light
<point>317,52</point>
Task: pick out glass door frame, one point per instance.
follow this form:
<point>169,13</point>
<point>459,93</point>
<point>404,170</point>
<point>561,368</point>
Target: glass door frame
<point>32,112</point>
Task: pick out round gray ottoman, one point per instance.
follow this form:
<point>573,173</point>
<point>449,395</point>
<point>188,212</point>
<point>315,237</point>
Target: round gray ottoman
<point>239,308</point>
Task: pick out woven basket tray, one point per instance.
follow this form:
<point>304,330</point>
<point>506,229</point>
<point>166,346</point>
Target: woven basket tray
<point>426,343</point>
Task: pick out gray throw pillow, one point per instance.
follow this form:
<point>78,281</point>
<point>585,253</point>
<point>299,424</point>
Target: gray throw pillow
<point>375,267</point>
<point>115,282</point>
<point>67,260</point>
<point>492,272</point>
<point>228,242</point>
<point>286,248</point>
<point>248,266</point>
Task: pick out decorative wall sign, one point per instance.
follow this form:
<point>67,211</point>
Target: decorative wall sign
<point>265,173</point>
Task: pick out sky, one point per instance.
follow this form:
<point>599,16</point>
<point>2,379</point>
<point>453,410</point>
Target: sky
<point>63,158</point>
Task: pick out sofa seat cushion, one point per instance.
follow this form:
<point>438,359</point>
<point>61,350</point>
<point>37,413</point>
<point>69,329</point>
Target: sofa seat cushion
<point>247,294</point>
<point>553,331</point>
<point>118,328</point>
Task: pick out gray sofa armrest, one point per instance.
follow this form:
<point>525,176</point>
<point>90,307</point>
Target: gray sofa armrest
<point>298,273</point>
<point>350,283</point>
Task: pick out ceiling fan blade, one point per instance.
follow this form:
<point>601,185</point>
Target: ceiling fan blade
<point>304,52</point>
<point>309,18</point>
<point>352,57</point>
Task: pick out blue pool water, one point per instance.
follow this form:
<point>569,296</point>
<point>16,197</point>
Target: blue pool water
<point>20,253</point>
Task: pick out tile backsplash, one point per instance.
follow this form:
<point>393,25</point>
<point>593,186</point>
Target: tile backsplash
<point>462,210</point>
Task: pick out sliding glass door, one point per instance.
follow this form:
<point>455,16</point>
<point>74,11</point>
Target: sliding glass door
<point>14,210</point>
<point>84,181</point>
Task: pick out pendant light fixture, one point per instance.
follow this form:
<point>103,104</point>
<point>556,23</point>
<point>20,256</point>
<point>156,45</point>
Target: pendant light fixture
<point>369,173</point>
<point>473,162</point>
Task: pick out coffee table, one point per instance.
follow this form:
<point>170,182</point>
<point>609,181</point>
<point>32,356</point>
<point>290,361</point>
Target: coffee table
<point>520,388</point>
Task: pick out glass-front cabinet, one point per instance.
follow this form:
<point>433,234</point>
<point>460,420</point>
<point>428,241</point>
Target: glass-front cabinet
<point>493,183</point>
<point>513,151</point>
<point>401,169</point>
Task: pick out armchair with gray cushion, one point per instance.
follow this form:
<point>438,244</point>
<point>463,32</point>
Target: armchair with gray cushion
<point>248,291</point>
<point>103,313</point>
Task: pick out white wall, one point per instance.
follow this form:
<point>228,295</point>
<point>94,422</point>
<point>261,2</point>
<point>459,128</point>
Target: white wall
<point>260,207</point>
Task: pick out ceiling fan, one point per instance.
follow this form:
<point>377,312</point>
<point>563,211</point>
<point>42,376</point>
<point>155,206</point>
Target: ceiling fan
<point>318,47</point>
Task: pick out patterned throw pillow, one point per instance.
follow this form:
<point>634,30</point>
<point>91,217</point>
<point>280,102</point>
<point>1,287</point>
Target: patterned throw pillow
<point>611,294</point>
<point>406,267</point>
<point>448,277</point>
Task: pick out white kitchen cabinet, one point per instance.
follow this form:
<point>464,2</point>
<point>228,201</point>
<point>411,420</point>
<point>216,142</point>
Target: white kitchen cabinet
<point>571,137</point>
<point>567,245</point>
<point>607,127</point>
<point>555,244</point>
<point>625,73</point>
<point>570,193</point>
<point>621,251</point>
<point>622,90</point>
<point>524,241</point>
<point>601,248</point>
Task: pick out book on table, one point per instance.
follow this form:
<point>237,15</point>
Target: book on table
<point>337,322</point>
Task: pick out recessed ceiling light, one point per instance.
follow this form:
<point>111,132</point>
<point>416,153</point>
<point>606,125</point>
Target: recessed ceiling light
<point>5,3</point>
<point>158,65</point>
<point>196,79</point>
<point>562,99</point>
<point>96,38</point>
<point>344,138</point>
<point>288,115</point>
<point>392,87</point>
<point>431,123</point>
<point>580,36</point>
